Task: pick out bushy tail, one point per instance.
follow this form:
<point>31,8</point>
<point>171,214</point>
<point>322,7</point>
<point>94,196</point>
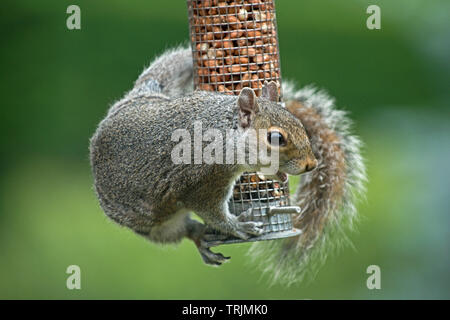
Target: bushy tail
<point>327,195</point>
<point>170,74</point>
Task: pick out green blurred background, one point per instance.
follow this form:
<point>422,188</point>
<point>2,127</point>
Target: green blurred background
<point>57,84</point>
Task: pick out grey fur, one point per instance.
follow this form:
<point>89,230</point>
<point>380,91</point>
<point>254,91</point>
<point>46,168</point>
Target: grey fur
<point>136,181</point>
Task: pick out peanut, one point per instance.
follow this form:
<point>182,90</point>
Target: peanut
<point>243,14</point>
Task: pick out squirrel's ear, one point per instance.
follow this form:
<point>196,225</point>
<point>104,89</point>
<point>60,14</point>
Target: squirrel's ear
<point>270,91</point>
<point>248,107</point>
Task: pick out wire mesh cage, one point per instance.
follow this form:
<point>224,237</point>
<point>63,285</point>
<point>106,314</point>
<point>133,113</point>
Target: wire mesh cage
<point>235,45</point>
<point>269,201</point>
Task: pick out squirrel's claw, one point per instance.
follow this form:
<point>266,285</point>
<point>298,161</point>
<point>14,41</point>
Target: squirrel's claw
<point>250,228</point>
<point>246,228</point>
<point>209,257</point>
<point>246,215</point>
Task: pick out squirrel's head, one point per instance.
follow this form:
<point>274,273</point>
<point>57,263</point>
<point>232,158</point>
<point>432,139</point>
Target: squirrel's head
<point>282,131</point>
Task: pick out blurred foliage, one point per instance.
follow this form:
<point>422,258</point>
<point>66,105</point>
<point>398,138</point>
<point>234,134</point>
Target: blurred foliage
<point>57,84</point>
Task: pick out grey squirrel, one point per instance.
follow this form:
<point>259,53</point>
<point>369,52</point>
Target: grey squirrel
<point>140,187</point>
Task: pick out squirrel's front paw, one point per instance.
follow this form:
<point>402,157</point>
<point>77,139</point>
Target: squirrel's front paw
<point>245,228</point>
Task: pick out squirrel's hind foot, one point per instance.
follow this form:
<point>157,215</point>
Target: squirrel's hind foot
<point>209,257</point>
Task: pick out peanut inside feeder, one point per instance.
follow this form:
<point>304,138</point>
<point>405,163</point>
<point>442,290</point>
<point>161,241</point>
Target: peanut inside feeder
<point>235,45</point>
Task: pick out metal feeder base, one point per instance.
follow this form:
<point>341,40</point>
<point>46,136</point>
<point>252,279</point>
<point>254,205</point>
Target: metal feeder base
<point>214,240</point>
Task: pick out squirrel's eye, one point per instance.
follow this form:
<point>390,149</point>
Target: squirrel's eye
<point>276,138</point>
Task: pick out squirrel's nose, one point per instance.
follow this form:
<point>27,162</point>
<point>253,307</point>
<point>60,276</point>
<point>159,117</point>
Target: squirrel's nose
<point>311,165</point>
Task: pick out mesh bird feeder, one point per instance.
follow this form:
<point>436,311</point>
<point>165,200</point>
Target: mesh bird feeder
<point>235,45</point>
